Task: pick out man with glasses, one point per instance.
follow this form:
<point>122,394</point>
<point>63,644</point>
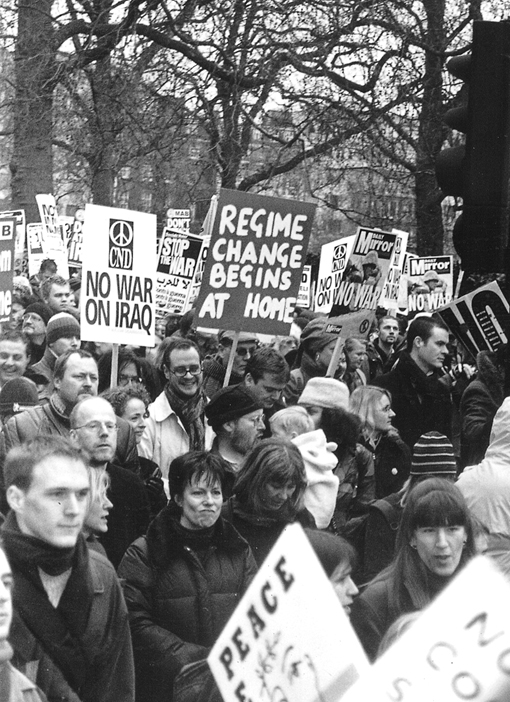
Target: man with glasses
<point>75,378</point>
<point>176,422</point>
<point>94,430</point>
<point>236,415</point>
<point>215,368</point>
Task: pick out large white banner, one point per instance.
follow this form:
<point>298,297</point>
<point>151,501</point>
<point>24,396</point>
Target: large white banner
<point>289,638</point>
<point>118,273</point>
<point>458,649</point>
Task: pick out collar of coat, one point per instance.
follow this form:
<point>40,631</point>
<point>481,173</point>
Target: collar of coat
<point>165,540</point>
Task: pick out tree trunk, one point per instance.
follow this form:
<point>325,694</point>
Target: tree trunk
<point>32,160</point>
<point>431,129</point>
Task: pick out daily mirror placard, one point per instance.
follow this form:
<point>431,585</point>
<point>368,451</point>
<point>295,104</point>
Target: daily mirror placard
<point>118,272</point>
<point>289,638</point>
<point>458,649</point>
<point>253,269</point>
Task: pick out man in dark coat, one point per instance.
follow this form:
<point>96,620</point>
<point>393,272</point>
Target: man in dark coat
<point>75,378</point>
<point>94,430</point>
<point>69,599</point>
<point>420,399</point>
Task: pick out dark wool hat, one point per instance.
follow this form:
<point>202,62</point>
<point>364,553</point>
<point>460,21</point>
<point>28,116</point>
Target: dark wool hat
<point>314,336</point>
<point>229,403</point>
<point>17,395</point>
<point>41,309</point>
<point>62,325</point>
<point>433,454</point>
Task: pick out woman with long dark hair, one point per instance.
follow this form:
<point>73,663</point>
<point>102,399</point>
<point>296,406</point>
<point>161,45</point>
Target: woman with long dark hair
<point>268,494</point>
<point>434,541</point>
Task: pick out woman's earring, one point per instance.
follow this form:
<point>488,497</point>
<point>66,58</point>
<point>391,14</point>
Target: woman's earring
<point>413,546</point>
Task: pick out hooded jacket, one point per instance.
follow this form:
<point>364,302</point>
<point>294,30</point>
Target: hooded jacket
<point>179,601</point>
<point>322,488</point>
<point>486,488</point>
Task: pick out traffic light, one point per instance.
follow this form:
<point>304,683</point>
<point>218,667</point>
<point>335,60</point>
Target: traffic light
<point>480,171</point>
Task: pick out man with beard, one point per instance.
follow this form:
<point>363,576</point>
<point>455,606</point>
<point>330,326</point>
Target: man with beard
<point>176,422</point>
<point>35,319</point>
<point>94,430</point>
<point>236,416</point>
<point>382,351</point>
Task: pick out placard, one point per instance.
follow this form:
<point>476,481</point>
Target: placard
<point>430,283</point>
<point>479,320</point>
<point>289,638</point>
<point>366,271</point>
<point>119,263</point>
<point>391,288</point>
<point>253,270</point>
<point>178,257</point>
<point>304,297</point>
<point>333,262</point>
<point>7,241</point>
<point>458,649</point>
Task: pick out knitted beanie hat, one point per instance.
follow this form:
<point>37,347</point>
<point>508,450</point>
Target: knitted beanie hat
<point>433,454</point>
<point>62,325</point>
<point>229,403</point>
<point>325,392</point>
<point>314,336</point>
<point>41,309</point>
<point>17,395</point>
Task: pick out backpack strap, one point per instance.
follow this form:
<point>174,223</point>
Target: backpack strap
<point>391,513</point>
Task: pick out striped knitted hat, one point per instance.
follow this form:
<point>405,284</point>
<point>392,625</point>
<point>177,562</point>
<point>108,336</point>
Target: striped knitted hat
<point>433,454</point>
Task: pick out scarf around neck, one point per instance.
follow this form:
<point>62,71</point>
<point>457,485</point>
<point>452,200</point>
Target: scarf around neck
<point>59,630</point>
<point>190,411</point>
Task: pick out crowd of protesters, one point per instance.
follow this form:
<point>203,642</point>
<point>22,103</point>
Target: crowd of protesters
<point>176,481</point>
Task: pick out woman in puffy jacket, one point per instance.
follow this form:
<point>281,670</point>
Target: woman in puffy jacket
<point>184,579</point>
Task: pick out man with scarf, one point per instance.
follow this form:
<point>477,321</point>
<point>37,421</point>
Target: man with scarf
<point>421,398</point>
<point>176,422</point>
<point>68,603</point>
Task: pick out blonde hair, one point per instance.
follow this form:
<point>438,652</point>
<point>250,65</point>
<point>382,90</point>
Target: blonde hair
<point>99,483</point>
<point>362,403</point>
<point>292,419</point>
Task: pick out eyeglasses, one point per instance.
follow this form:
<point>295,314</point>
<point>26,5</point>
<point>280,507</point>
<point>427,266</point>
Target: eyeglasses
<point>126,379</point>
<point>95,427</point>
<point>244,351</point>
<point>182,371</point>
<point>386,409</point>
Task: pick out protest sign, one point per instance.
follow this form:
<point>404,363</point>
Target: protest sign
<point>366,271</point>
<point>253,269</point>
<point>304,296</point>
<point>7,241</point>
<point>458,649</point>
<point>332,265</point>
<point>430,283</point>
<point>75,242</point>
<point>391,288</point>
<point>356,324</point>
<point>119,264</point>
<point>177,260</point>
<point>20,258</point>
<point>66,227</point>
<point>289,638</point>
<point>177,221</point>
<point>196,283</point>
<point>479,320</point>
<point>35,246</point>
<point>52,234</point>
